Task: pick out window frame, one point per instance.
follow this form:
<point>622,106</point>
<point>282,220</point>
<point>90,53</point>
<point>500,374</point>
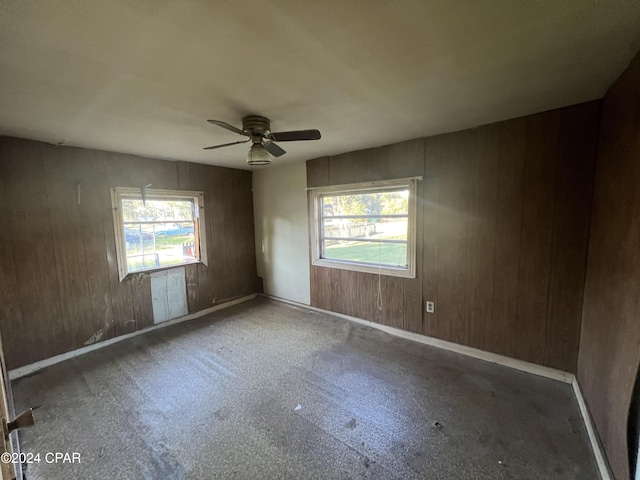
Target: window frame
<point>117,195</point>
<point>315,226</point>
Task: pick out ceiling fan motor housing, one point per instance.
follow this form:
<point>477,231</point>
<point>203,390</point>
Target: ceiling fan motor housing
<point>255,125</point>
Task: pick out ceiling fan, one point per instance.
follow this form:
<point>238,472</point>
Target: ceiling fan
<point>258,129</point>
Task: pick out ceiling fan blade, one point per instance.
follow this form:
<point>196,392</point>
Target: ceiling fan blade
<point>295,135</point>
<point>273,149</point>
<point>226,126</point>
<point>225,145</point>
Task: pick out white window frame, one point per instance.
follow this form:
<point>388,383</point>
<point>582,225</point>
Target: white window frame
<point>315,226</point>
<point>118,193</point>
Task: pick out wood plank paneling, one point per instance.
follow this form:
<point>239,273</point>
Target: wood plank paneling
<point>172,175</point>
<point>318,172</point>
<point>344,291</point>
<point>513,136</point>
<point>58,257</point>
<point>232,258</point>
<point>34,256</point>
<point>394,314</point>
<point>216,245</point>
<point>91,171</point>
<point>406,159</point>
<point>537,234</point>
<point>211,289</point>
<point>609,355</point>
<point>244,235</point>
<point>68,246</point>
<point>452,239</point>
<point>481,233</point>
<point>183,172</point>
<point>574,177</point>
<point>121,293</point>
<point>343,169</point>
<point>434,150</point>
<point>371,165</point>
<point>495,207</point>
<point>321,287</point>
<point>11,321</point>
<point>142,304</point>
<point>367,296</point>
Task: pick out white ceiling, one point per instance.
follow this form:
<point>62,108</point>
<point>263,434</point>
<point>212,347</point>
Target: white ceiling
<point>143,76</point>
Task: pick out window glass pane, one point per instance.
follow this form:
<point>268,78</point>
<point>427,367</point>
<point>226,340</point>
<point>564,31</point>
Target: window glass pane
<point>383,202</point>
<point>155,244</point>
<point>377,228</point>
<point>369,227</point>
<point>394,254</point>
<point>133,210</point>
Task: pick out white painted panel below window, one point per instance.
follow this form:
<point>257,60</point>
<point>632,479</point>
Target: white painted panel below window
<point>168,294</point>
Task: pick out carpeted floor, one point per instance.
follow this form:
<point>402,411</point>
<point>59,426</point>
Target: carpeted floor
<point>266,390</point>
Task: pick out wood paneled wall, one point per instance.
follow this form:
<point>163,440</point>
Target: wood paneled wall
<point>610,339</point>
<point>503,223</point>
<point>59,287</point>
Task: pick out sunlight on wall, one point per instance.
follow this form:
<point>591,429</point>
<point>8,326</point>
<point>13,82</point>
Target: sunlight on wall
<point>282,242</point>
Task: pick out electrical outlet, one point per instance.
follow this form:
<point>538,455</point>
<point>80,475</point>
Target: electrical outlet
<point>431,307</point>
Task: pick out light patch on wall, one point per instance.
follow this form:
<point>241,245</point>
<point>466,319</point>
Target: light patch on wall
<point>282,238</point>
<point>168,294</point>
<point>95,337</point>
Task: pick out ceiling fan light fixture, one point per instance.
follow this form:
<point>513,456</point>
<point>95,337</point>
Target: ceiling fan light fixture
<point>257,129</point>
<point>258,155</point>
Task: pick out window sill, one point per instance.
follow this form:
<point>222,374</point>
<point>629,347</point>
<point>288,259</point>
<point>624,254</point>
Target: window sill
<point>366,268</point>
<point>160,269</point>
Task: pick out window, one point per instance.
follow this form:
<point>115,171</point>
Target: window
<point>365,227</point>
<point>157,229</point>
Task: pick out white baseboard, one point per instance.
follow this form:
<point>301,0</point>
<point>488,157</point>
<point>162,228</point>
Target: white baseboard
<point>598,452</point>
<point>528,367</point>
<point>34,367</point>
